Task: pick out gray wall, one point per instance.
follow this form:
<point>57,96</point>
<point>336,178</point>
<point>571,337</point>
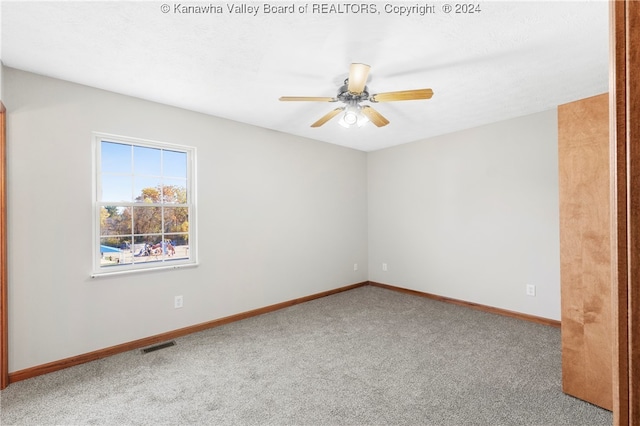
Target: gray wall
<point>471,215</point>
<point>280,217</point>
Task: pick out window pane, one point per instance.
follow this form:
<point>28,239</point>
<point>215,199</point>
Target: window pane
<point>174,164</point>
<point>147,220</point>
<point>115,251</point>
<point>179,246</point>
<point>147,189</point>
<point>115,157</point>
<point>176,219</point>
<point>175,191</point>
<point>146,161</point>
<point>116,188</point>
<point>115,220</point>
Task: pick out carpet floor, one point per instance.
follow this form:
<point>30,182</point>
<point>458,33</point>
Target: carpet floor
<point>368,356</point>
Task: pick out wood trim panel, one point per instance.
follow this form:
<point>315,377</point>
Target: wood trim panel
<point>625,171</point>
<point>152,340</point>
<point>633,206</point>
<point>617,143</point>
<point>4,329</point>
<point>485,308</point>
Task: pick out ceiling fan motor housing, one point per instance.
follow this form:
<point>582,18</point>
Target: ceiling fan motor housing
<point>350,98</point>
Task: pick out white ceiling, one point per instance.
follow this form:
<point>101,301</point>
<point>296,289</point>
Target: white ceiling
<point>511,59</point>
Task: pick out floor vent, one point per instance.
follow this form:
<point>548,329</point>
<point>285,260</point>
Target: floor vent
<point>158,347</point>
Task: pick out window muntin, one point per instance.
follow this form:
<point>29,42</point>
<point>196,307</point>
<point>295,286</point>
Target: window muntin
<point>144,205</point>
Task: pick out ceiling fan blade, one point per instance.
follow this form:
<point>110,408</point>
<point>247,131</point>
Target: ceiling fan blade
<point>307,98</point>
<point>403,95</point>
<point>328,116</point>
<point>358,74</point>
<point>374,116</point>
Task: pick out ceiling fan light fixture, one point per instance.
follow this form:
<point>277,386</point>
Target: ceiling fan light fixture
<point>353,117</point>
<point>350,117</point>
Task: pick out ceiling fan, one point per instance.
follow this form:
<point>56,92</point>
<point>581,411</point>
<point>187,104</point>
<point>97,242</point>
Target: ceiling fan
<point>353,92</point>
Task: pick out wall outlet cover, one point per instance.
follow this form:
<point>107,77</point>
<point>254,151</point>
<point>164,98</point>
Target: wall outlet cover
<point>178,302</point>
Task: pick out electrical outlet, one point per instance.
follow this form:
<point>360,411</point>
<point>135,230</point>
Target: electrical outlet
<point>384,267</point>
<point>531,290</point>
<point>177,302</point>
<point>355,266</point>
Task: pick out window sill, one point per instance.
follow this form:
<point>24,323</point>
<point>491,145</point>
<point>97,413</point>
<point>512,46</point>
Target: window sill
<point>136,271</point>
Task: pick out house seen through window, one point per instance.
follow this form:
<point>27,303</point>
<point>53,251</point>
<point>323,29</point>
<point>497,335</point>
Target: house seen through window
<point>144,205</point>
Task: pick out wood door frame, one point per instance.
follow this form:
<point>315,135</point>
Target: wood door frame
<point>4,341</point>
<point>624,24</point>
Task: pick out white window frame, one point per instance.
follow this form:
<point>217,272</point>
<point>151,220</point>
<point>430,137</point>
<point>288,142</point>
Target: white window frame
<point>100,270</point>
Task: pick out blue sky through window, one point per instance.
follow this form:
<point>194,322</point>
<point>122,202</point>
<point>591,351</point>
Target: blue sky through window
<point>128,169</point>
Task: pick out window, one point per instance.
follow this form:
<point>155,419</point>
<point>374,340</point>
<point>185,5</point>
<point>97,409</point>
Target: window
<point>144,205</point>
